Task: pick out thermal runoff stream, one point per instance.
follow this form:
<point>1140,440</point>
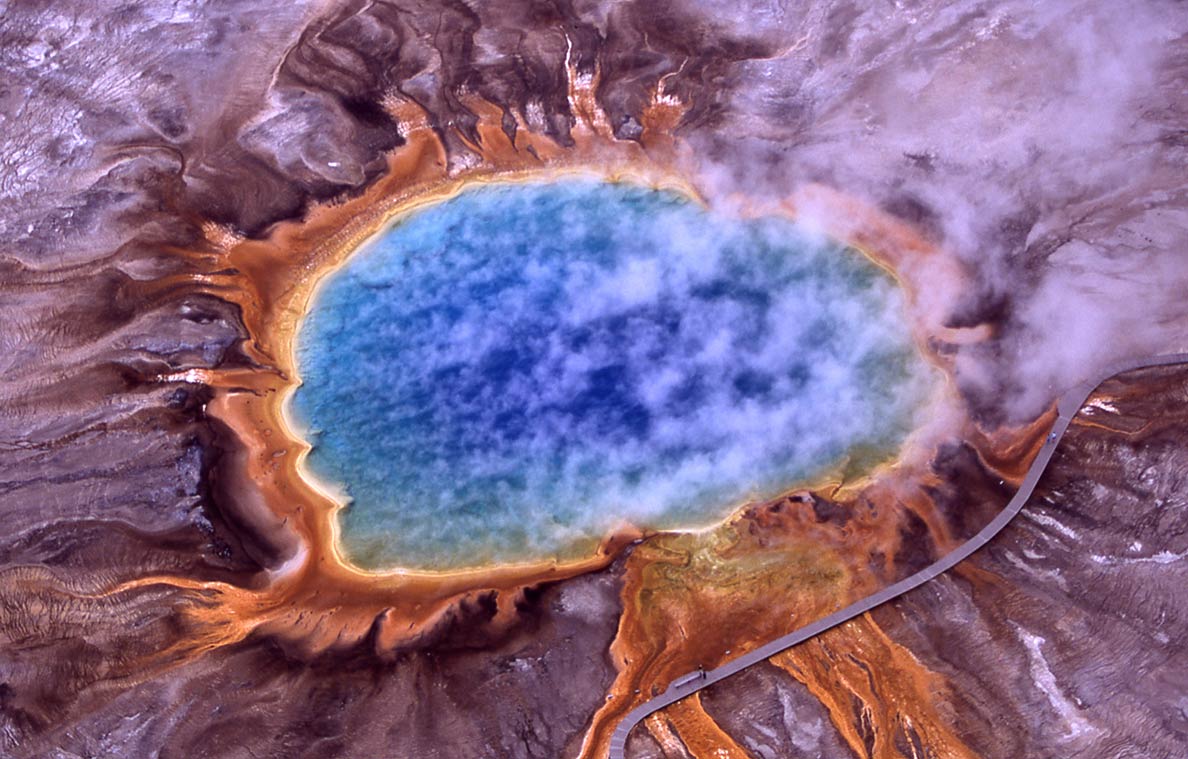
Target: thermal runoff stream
<point>508,375</point>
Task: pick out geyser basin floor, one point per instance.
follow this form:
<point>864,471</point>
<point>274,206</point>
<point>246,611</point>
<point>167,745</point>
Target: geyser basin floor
<point>507,375</point>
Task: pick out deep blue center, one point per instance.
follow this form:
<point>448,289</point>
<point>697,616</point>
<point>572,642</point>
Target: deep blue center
<point>506,375</point>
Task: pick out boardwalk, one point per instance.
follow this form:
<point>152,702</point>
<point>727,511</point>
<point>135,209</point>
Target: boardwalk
<point>1070,403</point>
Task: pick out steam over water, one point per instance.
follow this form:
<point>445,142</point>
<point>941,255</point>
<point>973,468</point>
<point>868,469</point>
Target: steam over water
<point>506,375</point>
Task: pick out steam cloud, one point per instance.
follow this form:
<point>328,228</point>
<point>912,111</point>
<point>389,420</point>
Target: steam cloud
<point>1047,151</point>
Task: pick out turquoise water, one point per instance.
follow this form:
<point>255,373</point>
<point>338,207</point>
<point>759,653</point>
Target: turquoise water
<point>506,375</point>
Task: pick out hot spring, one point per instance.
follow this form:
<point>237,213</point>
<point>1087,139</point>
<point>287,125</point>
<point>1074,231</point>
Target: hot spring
<point>507,375</point>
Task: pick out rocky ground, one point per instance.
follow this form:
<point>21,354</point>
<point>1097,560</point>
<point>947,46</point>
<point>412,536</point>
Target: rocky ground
<point>1042,146</point>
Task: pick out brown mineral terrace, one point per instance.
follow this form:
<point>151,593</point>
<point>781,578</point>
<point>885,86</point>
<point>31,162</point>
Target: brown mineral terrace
<point>175,177</point>
<point>687,686</point>
<point>313,598</point>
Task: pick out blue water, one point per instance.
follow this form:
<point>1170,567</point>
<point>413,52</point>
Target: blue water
<point>506,375</point>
